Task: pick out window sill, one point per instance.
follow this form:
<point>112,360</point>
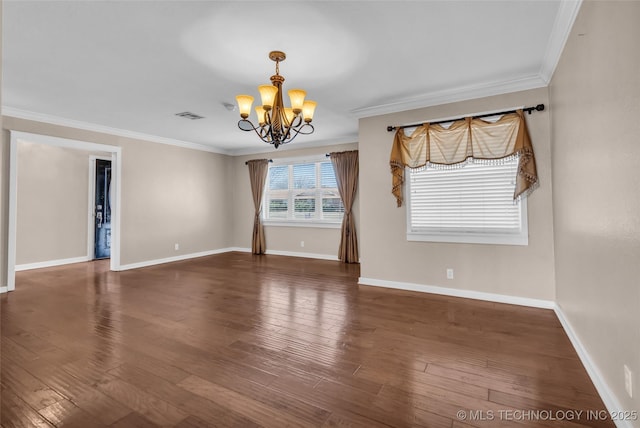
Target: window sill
<point>293,223</point>
<point>470,238</point>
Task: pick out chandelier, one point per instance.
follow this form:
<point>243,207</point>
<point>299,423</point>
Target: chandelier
<point>277,124</point>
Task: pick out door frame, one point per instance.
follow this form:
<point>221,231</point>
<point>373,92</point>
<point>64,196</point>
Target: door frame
<point>91,226</point>
<point>116,176</point>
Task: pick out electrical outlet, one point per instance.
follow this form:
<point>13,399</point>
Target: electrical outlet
<point>449,273</point>
<point>628,381</point>
<point>302,243</point>
<point>176,247</point>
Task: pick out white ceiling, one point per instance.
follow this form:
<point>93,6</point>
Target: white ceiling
<point>128,67</point>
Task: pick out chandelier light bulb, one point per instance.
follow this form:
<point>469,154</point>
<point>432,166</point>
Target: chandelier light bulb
<point>268,95</point>
<point>244,105</point>
<point>261,113</point>
<point>297,99</point>
<point>289,114</point>
<point>308,108</point>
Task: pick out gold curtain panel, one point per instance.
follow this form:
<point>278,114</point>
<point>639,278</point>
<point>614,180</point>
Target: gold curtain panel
<point>345,165</point>
<point>466,139</point>
<point>258,170</point>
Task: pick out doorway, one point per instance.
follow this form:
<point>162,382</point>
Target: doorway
<point>114,191</point>
<point>102,209</point>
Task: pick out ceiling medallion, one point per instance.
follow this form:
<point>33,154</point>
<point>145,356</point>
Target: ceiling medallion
<point>277,124</point>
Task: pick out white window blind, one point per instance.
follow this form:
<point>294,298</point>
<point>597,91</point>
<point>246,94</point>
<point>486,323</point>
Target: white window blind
<point>471,204</point>
<point>301,193</point>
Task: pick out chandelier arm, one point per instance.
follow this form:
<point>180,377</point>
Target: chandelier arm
<point>306,125</point>
<point>297,121</point>
<point>261,131</point>
<point>298,131</point>
<point>287,132</point>
<point>295,125</point>
<point>264,133</point>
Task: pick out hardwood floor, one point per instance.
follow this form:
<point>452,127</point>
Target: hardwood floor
<point>246,341</point>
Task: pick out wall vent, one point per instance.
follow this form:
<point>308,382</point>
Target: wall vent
<point>189,115</point>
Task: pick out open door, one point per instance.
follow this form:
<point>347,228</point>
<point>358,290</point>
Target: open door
<point>102,210</point>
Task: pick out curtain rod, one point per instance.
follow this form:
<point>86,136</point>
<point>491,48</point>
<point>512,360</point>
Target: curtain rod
<point>539,107</point>
<point>247,162</point>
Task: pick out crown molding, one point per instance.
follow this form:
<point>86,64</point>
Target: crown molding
<point>88,126</point>
<point>566,16</point>
<point>452,95</point>
<point>559,34</point>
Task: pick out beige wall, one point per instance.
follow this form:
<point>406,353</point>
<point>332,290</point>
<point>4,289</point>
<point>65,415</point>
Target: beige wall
<point>4,204</point>
<point>522,271</point>
<point>595,94</point>
<point>4,182</point>
<point>53,203</point>
<point>316,240</point>
<point>169,194</point>
<point>173,195</point>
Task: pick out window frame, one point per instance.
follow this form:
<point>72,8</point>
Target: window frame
<point>466,236</point>
<point>292,222</point>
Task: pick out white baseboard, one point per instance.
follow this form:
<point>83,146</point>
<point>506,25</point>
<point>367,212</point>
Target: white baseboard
<point>181,257</point>
<point>307,255</point>
<point>608,397</point>
<point>292,254</point>
<point>4,290</point>
<point>468,294</point>
<point>51,263</point>
<point>240,249</point>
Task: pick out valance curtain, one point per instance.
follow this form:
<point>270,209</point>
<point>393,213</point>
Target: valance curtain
<point>466,139</point>
<point>258,176</point>
<point>345,165</point>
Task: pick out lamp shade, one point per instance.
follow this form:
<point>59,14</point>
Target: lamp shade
<point>289,115</point>
<point>260,111</point>
<point>268,95</point>
<point>308,108</point>
<point>244,105</point>
<point>297,99</point>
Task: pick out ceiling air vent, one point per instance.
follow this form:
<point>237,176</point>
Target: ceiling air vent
<point>189,115</point>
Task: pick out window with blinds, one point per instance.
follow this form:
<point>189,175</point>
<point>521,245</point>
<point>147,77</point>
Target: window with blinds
<point>302,193</point>
<point>472,204</point>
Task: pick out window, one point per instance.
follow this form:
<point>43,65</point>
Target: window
<point>302,193</point>
<point>472,204</point>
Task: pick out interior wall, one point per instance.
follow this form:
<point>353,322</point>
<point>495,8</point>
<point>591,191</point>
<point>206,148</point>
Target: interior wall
<point>170,195</point>
<point>53,203</point>
<point>173,195</point>
<point>595,94</point>
<point>521,271</point>
<point>4,205</point>
<point>4,183</point>
<point>318,241</point>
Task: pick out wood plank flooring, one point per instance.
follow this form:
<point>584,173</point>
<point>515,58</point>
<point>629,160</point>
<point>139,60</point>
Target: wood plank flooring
<point>236,340</point>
